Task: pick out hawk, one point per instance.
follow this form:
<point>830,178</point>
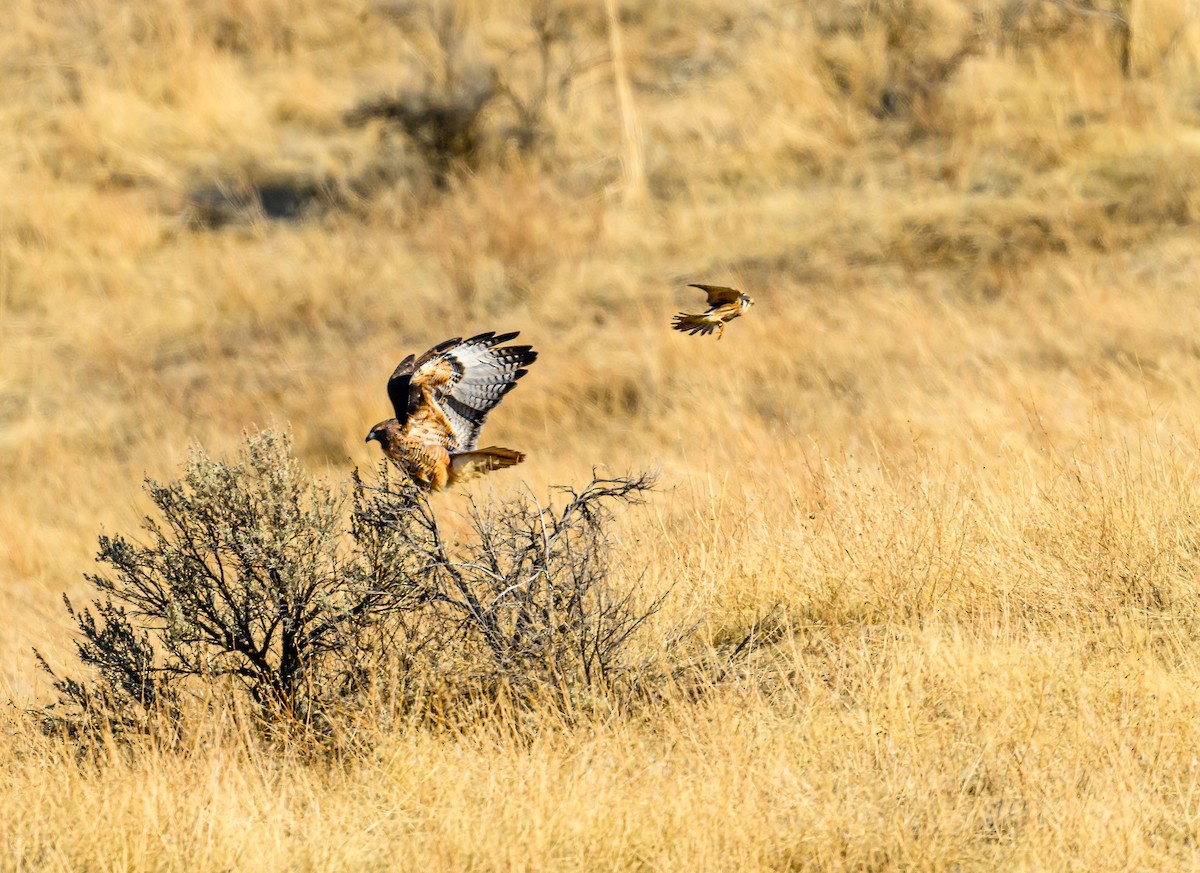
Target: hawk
<point>441,401</point>
<point>724,304</point>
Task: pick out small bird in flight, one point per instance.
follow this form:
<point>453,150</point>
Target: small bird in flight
<point>441,401</point>
<point>724,305</point>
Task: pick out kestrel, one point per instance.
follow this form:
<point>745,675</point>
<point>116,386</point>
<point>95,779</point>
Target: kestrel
<point>724,305</point>
<point>442,400</point>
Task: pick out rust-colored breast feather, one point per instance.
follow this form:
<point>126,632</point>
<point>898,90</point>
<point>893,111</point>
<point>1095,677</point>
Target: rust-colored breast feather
<point>428,424</point>
<point>426,462</point>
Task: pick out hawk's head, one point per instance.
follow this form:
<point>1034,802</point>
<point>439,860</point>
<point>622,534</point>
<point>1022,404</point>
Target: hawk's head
<point>382,433</point>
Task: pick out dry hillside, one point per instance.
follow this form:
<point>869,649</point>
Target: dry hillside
<point>950,457</point>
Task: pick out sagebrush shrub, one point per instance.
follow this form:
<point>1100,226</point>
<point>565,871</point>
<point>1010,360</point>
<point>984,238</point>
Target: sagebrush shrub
<point>255,585</point>
<point>523,605</point>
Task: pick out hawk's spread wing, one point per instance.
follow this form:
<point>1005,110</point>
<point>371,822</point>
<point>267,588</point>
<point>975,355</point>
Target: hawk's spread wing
<point>464,379</point>
<point>398,387</point>
<point>718,295</point>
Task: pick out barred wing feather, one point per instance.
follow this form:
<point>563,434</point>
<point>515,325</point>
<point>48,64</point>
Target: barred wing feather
<point>465,379</point>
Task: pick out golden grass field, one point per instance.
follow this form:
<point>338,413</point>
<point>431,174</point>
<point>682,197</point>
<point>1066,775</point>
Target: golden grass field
<point>950,456</point>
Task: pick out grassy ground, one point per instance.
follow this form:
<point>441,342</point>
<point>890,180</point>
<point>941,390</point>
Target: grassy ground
<point>951,452</point>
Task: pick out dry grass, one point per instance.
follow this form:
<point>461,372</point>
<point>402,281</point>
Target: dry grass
<point>949,461</point>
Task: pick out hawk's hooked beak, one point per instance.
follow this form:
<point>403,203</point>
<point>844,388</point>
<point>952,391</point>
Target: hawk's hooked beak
<point>373,435</point>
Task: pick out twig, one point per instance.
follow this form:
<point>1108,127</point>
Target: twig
<point>633,164</point>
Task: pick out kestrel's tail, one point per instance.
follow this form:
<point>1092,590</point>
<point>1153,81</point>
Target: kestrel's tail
<point>468,465</point>
<point>693,324</point>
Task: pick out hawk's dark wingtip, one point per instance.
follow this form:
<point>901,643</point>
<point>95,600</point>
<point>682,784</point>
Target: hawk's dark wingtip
<point>522,356</point>
<point>491,338</point>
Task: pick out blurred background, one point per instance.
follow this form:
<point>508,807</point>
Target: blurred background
<point>969,229</point>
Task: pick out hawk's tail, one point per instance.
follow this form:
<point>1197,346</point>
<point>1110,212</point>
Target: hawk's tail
<point>468,465</point>
<point>693,324</point>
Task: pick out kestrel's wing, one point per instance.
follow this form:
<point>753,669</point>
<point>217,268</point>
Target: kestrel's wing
<point>465,379</point>
<point>719,294</point>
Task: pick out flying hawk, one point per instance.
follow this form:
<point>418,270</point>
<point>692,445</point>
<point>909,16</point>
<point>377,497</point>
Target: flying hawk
<point>724,304</point>
<point>442,400</point>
